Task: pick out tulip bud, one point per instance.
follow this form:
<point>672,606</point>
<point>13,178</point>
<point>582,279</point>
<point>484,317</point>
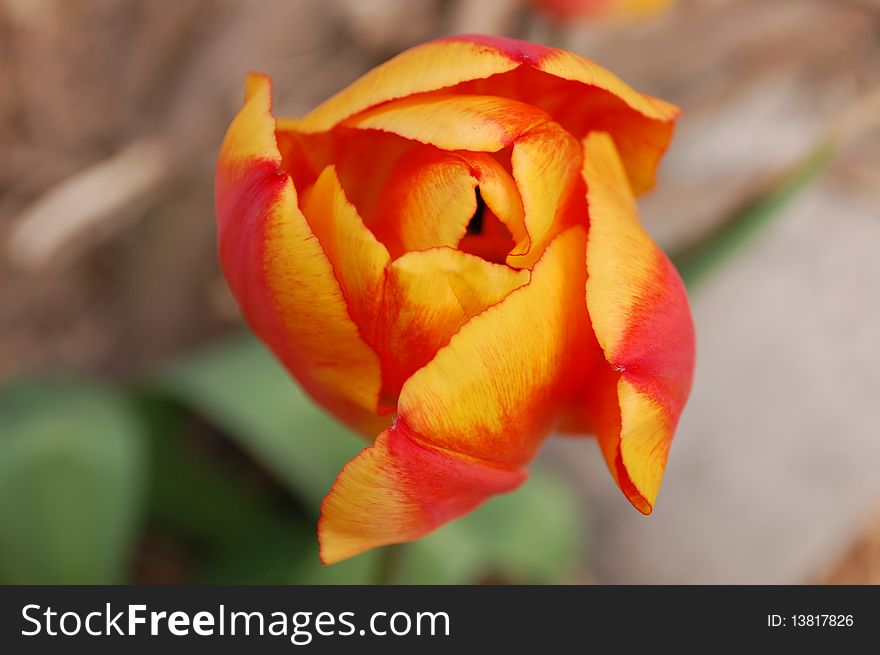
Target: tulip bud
<point>447,256</point>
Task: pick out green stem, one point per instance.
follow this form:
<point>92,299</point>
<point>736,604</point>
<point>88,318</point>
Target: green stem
<point>696,261</point>
<point>389,564</point>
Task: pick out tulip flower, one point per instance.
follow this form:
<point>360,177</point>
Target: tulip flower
<point>447,256</point>
<point>571,10</point>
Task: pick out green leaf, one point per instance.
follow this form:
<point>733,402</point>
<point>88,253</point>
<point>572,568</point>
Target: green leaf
<point>267,554</point>
<point>72,474</point>
<point>193,491</point>
<point>533,535</point>
<point>284,554</point>
<point>240,387</point>
<point>238,528</point>
<point>357,570</point>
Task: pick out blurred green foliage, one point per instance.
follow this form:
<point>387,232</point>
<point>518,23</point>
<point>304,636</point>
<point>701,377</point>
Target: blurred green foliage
<point>213,471</point>
<point>239,386</point>
<point>532,535</point>
<point>72,478</point>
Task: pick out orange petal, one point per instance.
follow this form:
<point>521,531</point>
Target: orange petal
<point>546,165</point>
<point>429,295</point>
<point>398,490</point>
<point>578,93</point>
<point>276,268</point>
<point>499,191</point>
<point>623,10</point>
<point>363,159</point>
<point>427,202</point>
<point>472,417</point>
<point>582,96</point>
<point>493,392</point>
<point>357,257</point>
<point>430,197</point>
<point>426,67</point>
<point>454,122</point>
<point>641,318</point>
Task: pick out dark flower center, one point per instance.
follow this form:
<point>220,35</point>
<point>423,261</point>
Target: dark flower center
<point>475,226</point>
<point>486,236</point>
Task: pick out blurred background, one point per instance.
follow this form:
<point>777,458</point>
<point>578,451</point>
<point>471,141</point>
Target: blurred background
<point>145,437</point>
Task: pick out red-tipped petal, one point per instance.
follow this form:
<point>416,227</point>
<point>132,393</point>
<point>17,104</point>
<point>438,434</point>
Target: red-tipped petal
<point>576,92</point>
<point>582,96</point>
<point>472,417</point>
<point>429,295</point>
<point>641,318</point>
<point>494,391</point>
<point>546,165</point>
<point>357,257</point>
<point>454,122</point>
<point>398,490</point>
<point>276,268</point>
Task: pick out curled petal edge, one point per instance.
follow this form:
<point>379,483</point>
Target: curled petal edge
<point>276,267</point>
<point>471,418</point>
<point>641,318</point>
<point>400,489</point>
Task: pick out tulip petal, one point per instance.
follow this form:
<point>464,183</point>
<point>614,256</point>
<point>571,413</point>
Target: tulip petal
<point>427,67</point>
<point>499,191</point>
<point>493,392</point>
<point>400,489</point>
<point>546,165</point>
<point>427,202</point>
<point>430,197</point>
<point>472,417</point>
<point>641,318</point>
<point>569,66</point>
<point>429,295</point>
<point>363,159</point>
<point>276,268</point>
<point>357,257</point>
<point>578,93</point>
<point>641,136</point>
<point>582,96</point>
<point>454,122</point>
<point>615,10</point>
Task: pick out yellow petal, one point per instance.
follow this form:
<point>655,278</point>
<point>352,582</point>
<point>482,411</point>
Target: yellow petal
<point>641,138</point>
<point>427,202</point>
<point>358,258</point>
<point>427,67</point>
<point>430,197</point>
<point>429,295</point>
<point>622,257</point>
<point>641,319</point>
<point>251,136</point>
<point>546,165</point>
<point>276,268</point>
<point>454,122</point>
<point>400,489</point>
